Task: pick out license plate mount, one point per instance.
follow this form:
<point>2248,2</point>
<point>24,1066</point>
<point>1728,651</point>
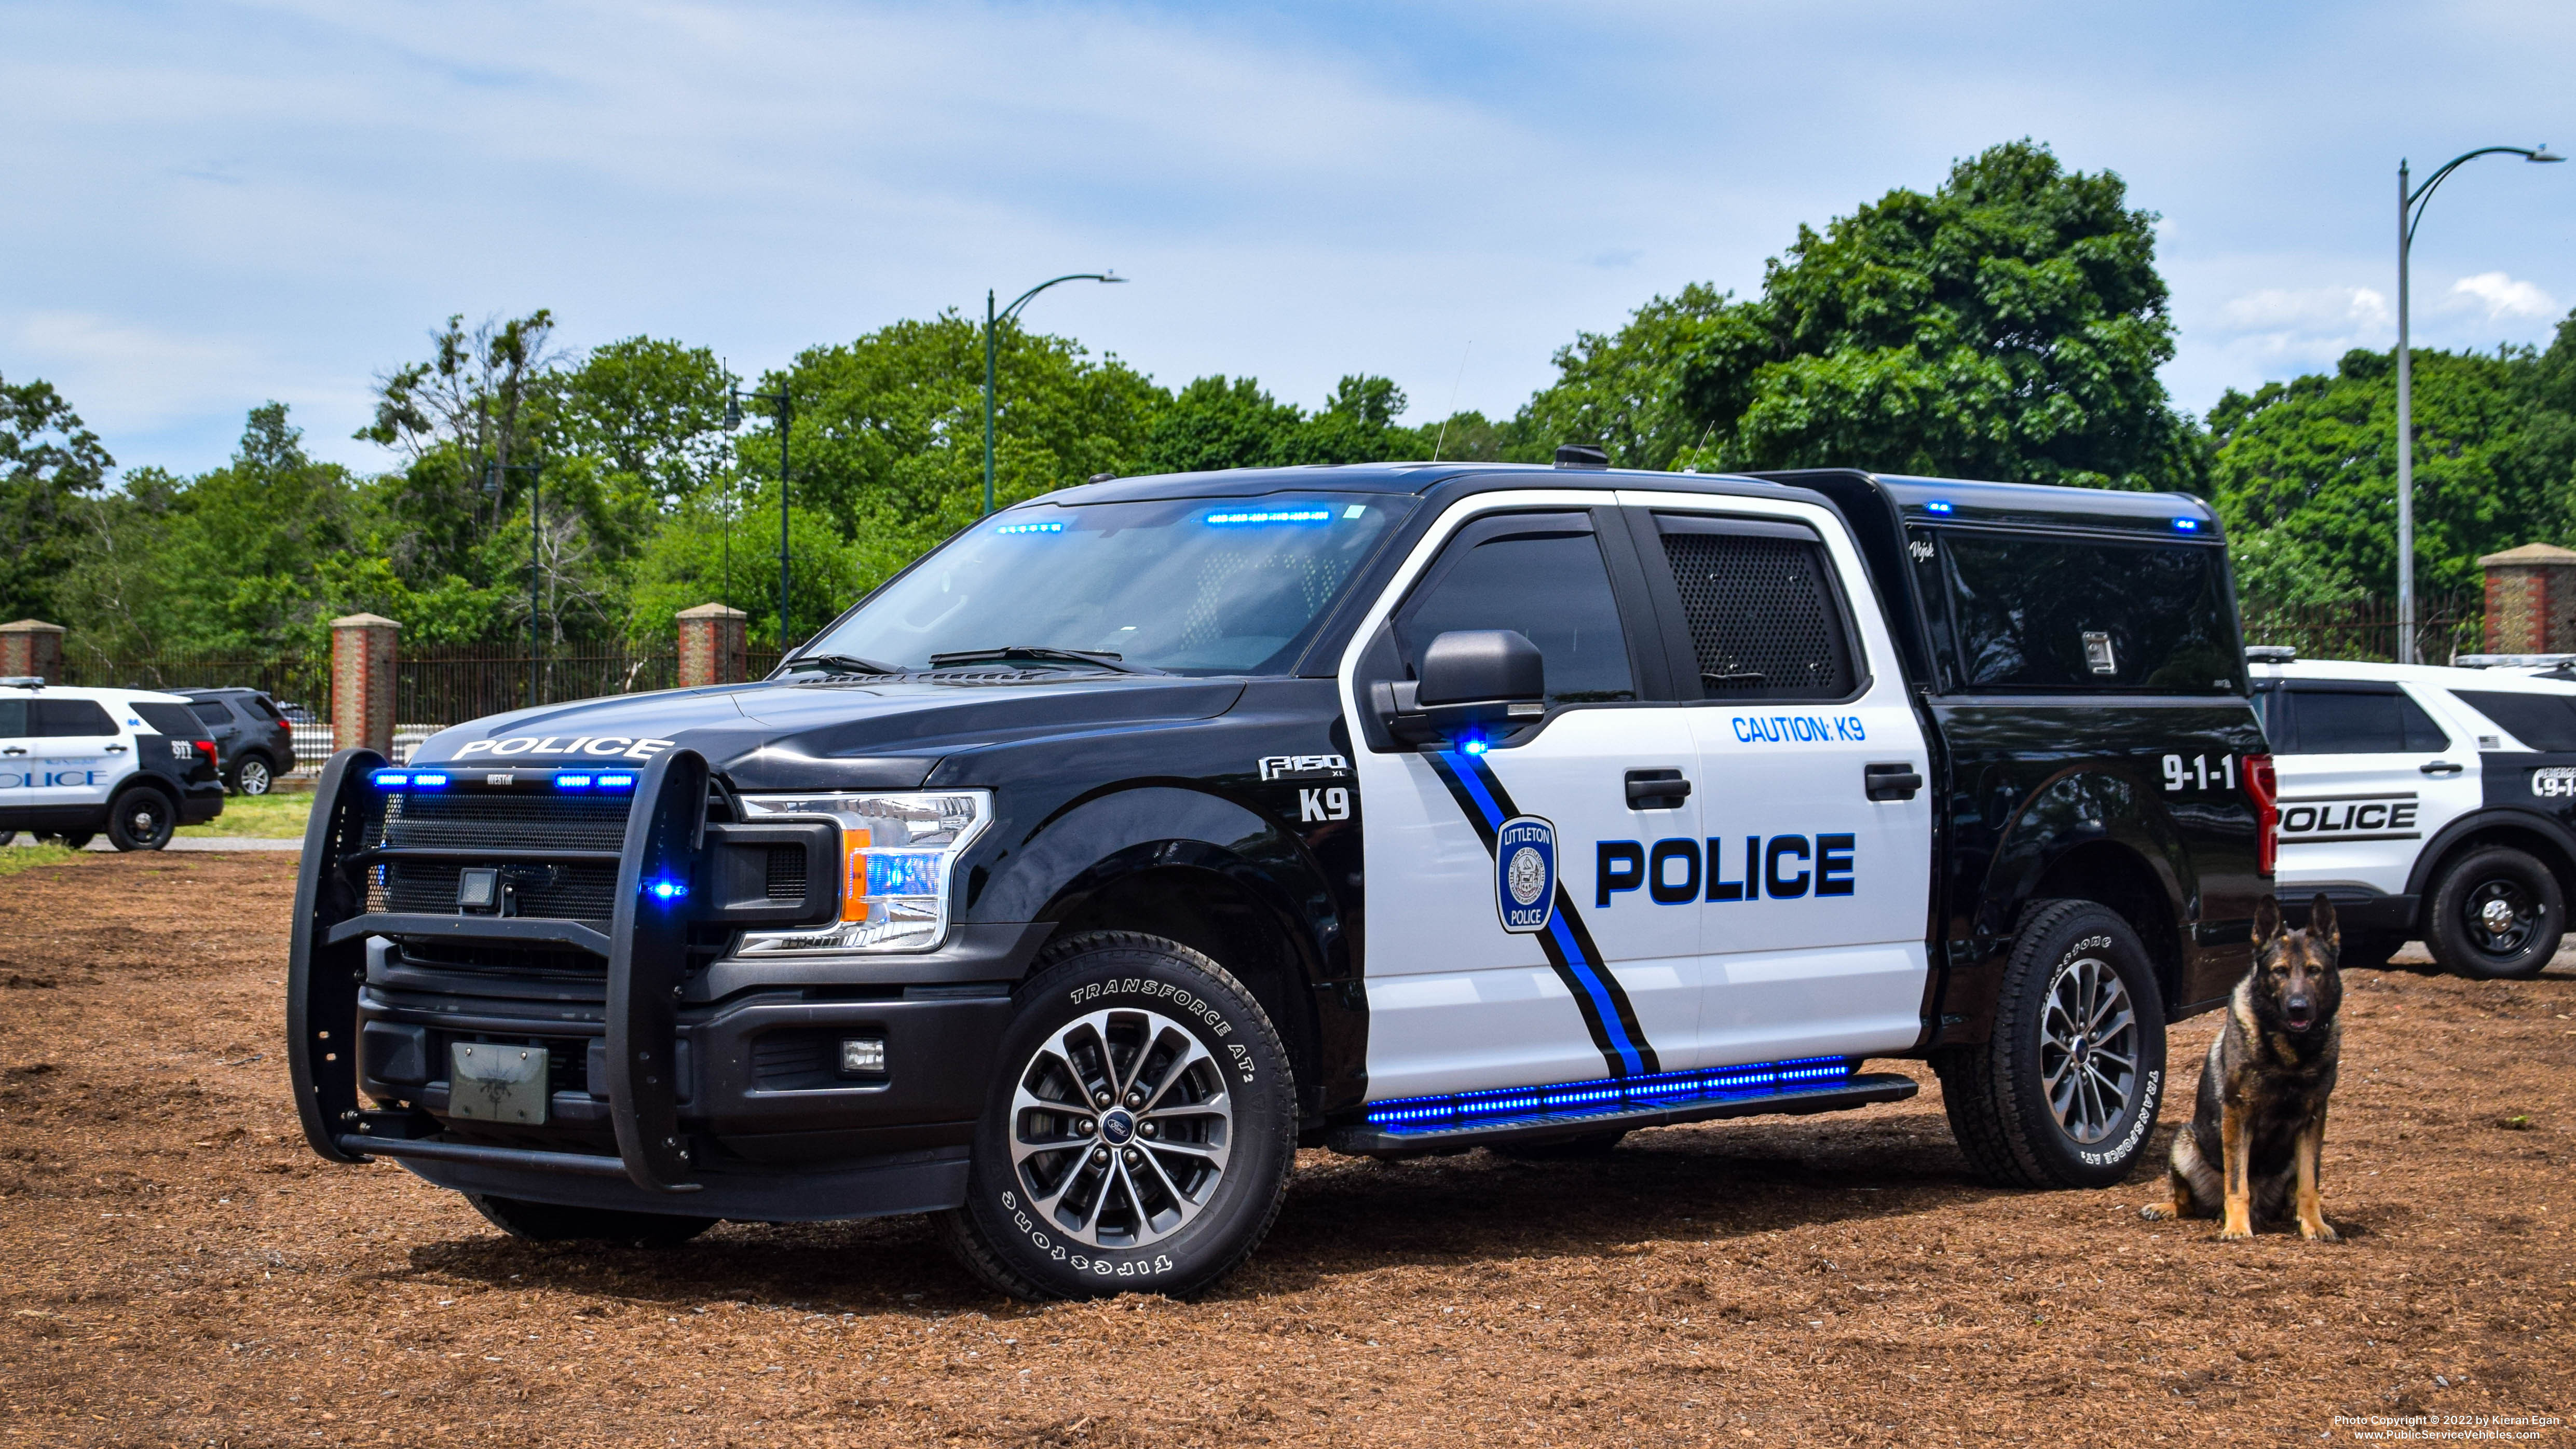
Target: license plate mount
<point>497,1082</point>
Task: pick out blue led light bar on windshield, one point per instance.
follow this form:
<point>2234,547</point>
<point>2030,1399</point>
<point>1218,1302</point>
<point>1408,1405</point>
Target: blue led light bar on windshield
<point>1030,528</point>
<point>1279,515</point>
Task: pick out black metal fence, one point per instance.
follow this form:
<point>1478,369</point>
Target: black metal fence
<point>2446,625</point>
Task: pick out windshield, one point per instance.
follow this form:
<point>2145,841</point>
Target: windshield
<point>1230,586</point>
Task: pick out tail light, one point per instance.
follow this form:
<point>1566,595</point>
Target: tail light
<point>206,749</point>
<point>2263,787</point>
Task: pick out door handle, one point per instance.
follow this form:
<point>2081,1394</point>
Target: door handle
<point>1657,789</point>
<point>1891,782</point>
<point>2440,767</point>
<point>14,750</point>
<point>116,749</point>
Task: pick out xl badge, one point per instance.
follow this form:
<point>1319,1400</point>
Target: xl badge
<point>1525,873</point>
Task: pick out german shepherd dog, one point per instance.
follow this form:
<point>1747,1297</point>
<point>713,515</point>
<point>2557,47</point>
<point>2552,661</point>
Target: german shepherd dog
<point>2261,1113</point>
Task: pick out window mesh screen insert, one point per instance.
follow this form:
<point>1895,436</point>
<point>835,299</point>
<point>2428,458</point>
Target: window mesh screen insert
<point>1761,618</point>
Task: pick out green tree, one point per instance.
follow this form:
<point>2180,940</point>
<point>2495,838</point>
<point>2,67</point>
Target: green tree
<point>2008,325</point>
<point>2305,472</point>
<point>48,460</point>
<point>1216,422</point>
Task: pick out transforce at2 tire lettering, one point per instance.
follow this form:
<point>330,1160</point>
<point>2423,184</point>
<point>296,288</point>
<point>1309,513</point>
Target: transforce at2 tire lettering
<point>2066,1092</point>
<point>1139,1133</point>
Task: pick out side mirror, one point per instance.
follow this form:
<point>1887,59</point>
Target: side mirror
<point>1476,683</point>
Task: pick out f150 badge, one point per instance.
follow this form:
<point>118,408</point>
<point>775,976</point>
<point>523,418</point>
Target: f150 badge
<point>1304,767</point>
<point>1525,873</point>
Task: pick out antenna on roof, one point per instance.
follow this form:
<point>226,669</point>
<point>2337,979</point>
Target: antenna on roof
<point>1443,440</point>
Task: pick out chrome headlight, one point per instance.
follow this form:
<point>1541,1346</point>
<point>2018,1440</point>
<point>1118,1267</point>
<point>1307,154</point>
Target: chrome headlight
<point>896,854</point>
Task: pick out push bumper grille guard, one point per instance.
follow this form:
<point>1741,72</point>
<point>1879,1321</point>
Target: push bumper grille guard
<point>646,947</point>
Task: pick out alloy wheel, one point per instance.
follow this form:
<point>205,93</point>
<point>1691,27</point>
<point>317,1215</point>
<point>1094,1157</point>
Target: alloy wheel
<point>1121,1128</point>
<point>2088,1050</point>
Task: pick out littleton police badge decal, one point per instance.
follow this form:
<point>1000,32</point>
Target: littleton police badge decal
<point>1525,873</point>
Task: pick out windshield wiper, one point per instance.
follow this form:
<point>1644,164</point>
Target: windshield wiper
<point>1098,658</point>
<point>843,664</point>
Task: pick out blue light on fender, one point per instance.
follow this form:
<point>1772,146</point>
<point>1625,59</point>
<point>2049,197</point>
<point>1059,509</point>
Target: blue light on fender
<point>1475,747</point>
<point>666,890</point>
<point>1503,1106</point>
<point>1938,506</point>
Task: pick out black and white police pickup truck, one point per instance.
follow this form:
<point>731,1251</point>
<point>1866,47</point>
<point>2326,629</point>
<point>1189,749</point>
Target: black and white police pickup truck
<point>75,762</point>
<point>2429,803</point>
<point>1146,831</point>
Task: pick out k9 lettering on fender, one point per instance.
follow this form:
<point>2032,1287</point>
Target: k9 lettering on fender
<point>1142,1137</point>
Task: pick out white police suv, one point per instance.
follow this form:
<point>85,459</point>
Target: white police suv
<point>2429,803</point>
<point>75,762</point>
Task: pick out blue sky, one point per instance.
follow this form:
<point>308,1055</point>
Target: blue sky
<point>216,204</point>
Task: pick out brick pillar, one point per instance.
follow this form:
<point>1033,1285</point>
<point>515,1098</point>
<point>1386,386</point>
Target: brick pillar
<point>32,647</point>
<point>2531,600</point>
<point>362,683</point>
<point>711,646</point>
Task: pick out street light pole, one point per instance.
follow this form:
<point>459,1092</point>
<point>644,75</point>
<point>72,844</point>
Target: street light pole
<point>2410,214</point>
<point>786,415</point>
<point>991,319</point>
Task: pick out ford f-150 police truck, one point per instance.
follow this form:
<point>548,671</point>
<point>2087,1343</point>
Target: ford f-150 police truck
<point>1145,831</point>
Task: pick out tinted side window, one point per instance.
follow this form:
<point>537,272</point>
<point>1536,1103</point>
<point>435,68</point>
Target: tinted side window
<point>212,711</point>
<point>2274,706</point>
<point>13,719</point>
<point>1552,587</point>
<point>1760,600</point>
<point>2542,721</point>
<point>170,719</point>
<point>58,717</point>
<point>2361,722</point>
<point>261,708</point>
<point>2034,612</point>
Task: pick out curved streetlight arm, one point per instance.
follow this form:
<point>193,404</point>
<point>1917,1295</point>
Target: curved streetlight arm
<point>2416,200</point>
<point>1013,310</point>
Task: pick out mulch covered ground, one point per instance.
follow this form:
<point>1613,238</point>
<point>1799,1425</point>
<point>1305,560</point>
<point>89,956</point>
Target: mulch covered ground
<point>177,1269</point>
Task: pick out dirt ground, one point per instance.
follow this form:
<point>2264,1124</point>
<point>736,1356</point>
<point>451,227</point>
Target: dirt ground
<point>178,1269</point>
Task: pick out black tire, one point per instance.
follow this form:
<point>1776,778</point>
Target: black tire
<point>1999,1091</point>
<point>1564,1149</point>
<point>8,837</point>
<point>253,776</point>
<point>2461,933</point>
<point>78,839</point>
<point>545,1222</point>
<point>141,820</point>
<point>1065,1219</point>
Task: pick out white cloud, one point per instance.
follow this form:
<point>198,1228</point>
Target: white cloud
<point>2502,296</point>
<point>122,375</point>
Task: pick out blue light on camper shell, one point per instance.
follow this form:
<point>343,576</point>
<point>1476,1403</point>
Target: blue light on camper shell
<point>2186,525</point>
<point>1276,515</point>
<point>1030,528</point>
<point>572,782</point>
<point>1938,506</point>
<point>617,782</point>
<point>428,782</point>
<point>1505,1105</point>
<point>391,779</point>
<point>666,890</point>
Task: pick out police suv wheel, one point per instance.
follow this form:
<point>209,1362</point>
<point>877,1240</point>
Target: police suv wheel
<point>1140,1134</point>
<point>251,776</point>
<point>545,1222</point>
<point>2497,915</point>
<point>2066,1092</point>
<point>141,820</point>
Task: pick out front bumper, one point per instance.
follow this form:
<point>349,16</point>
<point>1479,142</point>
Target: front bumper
<point>709,1092</point>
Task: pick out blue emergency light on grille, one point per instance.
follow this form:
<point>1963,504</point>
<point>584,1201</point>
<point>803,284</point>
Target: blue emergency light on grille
<point>428,781</point>
<point>617,782</point>
<point>390,779</point>
<point>1503,1105</point>
<point>573,782</point>
<point>2186,525</point>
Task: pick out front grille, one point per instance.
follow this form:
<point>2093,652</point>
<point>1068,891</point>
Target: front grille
<point>580,890</point>
<point>444,955</point>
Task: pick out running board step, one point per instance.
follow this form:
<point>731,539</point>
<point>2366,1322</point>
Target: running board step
<point>1368,1140</point>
